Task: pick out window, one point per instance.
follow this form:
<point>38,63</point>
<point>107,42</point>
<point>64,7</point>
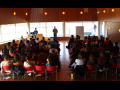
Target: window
<point>70,28</point>
<point>50,27</point>
<point>46,28</point>
<point>21,29</point>
<point>7,32</point>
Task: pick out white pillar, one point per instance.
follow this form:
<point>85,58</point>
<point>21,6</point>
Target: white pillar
<point>63,28</point>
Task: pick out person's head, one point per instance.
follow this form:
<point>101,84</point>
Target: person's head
<point>16,58</point>
<point>54,27</point>
<point>91,58</point>
<point>111,55</point>
<point>35,28</point>
<point>13,41</point>
<point>37,38</point>
<point>6,58</point>
<point>48,59</point>
<point>53,51</point>
<point>100,45</point>
<point>21,41</point>
<point>30,39</point>
<point>116,43</point>
<point>27,58</point>
<point>43,38</point>
<point>27,41</point>
<point>107,38</point>
<point>72,36</point>
<point>101,54</point>
<point>11,49</point>
<point>53,46</point>
<point>28,48</point>
<point>79,56</point>
<point>109,41</point>
<point>8,43</point>
<point>4,47</point>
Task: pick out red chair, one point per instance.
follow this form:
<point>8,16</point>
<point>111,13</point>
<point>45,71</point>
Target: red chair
<point>19,54</point>
<point>90,68</point>
<point>6,69</point>
<point>52,69</point>
<point>80,46</point>
<point>33,47</point>
<point>39,70</point>
<point>29,70</point>
<point>40,47</point>
<point>23,47</point>
<point>12,54</point>
<point>29,54</point>
<point>43,61</point>
<point>35,54</point>
<point>117,68</point>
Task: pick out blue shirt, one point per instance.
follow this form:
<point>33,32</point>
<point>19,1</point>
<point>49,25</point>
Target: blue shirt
<point>35,31</point>
<point>47,64</point>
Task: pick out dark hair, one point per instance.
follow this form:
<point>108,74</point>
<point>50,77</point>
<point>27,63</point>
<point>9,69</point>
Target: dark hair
<point>72,36</point>
<point>13,41</point>
<point>22,50</point>
<point>53,51</point>
<point>27,41</point>
<point>27,57</point>
<point>4,47</point>
<point>16,58</point>
<point>116,43</point>
<point>37,38</point>
<point>42,50</point>
<point>6,57</point>
<point>8,43</point>
<point>107,38</point>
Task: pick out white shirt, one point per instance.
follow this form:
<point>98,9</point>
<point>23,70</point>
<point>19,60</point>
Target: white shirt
<point>78,62</point>
<point>28,63</point>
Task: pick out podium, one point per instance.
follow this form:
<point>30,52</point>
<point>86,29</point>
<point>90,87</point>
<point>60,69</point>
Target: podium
<point>38,36</point>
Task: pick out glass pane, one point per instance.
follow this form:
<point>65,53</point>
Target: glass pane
<point>21,29</point>
<point>70,28</point>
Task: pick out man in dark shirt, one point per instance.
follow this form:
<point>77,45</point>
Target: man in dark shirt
<point>71,40</point>
<point>55,31</point>
<point>116,48</point>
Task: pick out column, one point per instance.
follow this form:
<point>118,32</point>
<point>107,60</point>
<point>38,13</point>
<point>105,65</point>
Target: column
<point>63,28</point>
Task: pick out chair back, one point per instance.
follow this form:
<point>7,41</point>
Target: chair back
<point>42,60</point>
<point>5,68</point>
<point>90,67</point>
<point>40,69</point>
<point>12,54</point>
<point>113,65</point>
<point>40,47</point>
<point>118,65</point>
<point>23,47</point>
<point>35,54</point>
<point>51,68</point>
<point>29,68</point>
<point>22,59</point>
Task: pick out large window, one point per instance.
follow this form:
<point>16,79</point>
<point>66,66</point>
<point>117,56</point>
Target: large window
<point>21,29</point>
<point>46,28</point>
<point>8,32</point>
<point>90,28</point>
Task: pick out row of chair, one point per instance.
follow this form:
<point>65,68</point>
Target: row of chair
<point>39,70</point>
<point>93,69</point>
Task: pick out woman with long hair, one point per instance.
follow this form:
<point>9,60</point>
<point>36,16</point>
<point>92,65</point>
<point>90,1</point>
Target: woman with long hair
<point>17,61</point>
<point>91,60</point>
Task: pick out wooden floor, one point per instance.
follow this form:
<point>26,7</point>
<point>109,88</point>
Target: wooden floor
<point>64,74</point>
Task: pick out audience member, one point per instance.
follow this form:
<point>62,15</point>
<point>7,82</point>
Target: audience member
<point>8,47</point>
<point>118,59</point>
<point>116,48</point>
<point>91,60</point>
<point>5,49</point>
<point>14,44</point>
<point>17,61</point>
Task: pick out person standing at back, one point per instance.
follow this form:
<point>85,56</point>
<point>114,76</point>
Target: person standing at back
<point>55,31</point>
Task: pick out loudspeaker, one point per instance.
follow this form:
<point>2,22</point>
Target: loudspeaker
<point>40,10</point>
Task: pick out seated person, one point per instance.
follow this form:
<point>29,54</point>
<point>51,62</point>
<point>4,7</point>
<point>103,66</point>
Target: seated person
<point>111,60</point>
<point>19,49</point>
<point>27,44</point>
<point>79,66</point>
<point>8,47</point>
<point>4,48</point>
<point>74,47</point>
<point>37,41</point>
<point>102,62</point>
<point>21,43</point>
<point>6,62</point>
<point>92,43</point>
<point>49,62</point>
<point>95,51</point>
<point>107,51</point>
<point>5,54</point>
<point>54,57</point>
<point>29,63</point>
<point>53,48</point>
<point>34,43</point>
<point>105,42</point>
<point>31,41</point>
<point>74,56</point>
<point>17,61</point>
<point>100,47</point>
<point>118,59</point>
<point>84,48</point>
<point>36,50</point>
<point>28,50</point>
<point>43,40</point>
<point>23,55</point>
<point>71,40</point>
<point>86,53</point>
<point>116,48</point>
<point>14,44</point>
<point>91,60</point>
<point>110,45</point>
<point>89,38</point>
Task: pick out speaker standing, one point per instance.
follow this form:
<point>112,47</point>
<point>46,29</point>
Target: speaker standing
<point>55,31</point>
